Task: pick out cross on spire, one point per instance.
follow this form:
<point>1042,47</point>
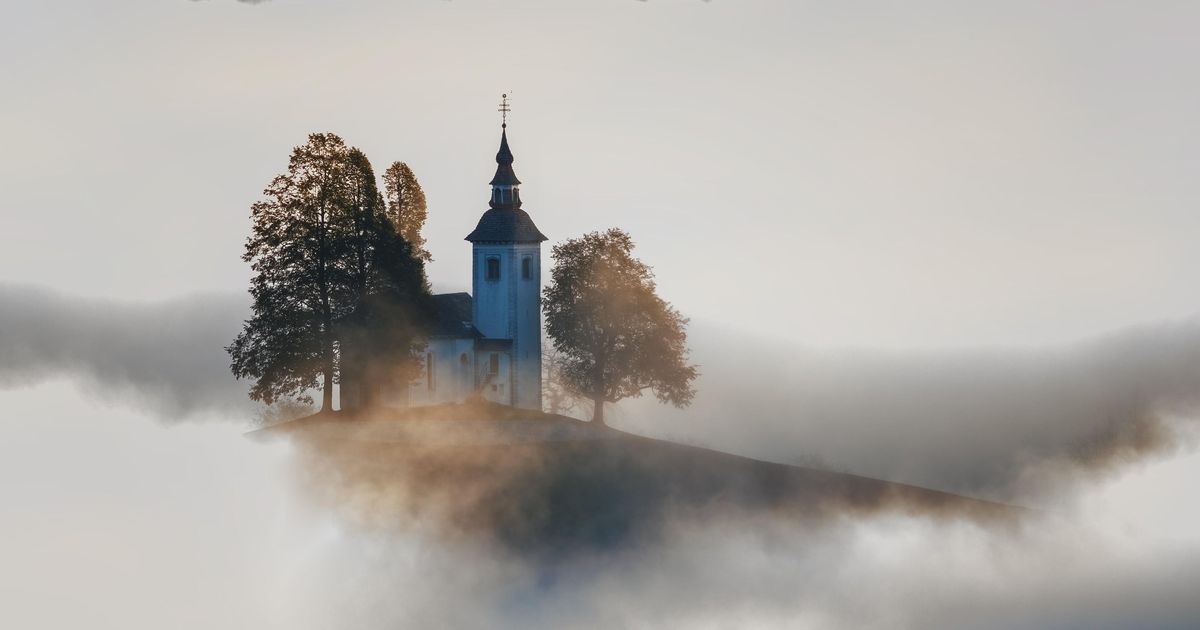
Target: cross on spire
<point>503,109</point>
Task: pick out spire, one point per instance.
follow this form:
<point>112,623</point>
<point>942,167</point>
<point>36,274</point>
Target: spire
<point>505,177</point>
<point>504,184</point>
<point>504,155</point>
<point>505,221</point>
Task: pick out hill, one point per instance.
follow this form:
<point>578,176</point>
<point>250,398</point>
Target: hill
<point>543,483</point>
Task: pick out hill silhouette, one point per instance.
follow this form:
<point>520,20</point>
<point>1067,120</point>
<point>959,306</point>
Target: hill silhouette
<point>547,484</point>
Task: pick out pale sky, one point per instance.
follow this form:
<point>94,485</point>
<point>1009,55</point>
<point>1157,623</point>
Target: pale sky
<point>867,174</point>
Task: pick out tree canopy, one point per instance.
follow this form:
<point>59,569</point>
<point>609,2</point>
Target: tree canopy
<point>330,271</point>
<point>406,206</point>
<point>615,336</point>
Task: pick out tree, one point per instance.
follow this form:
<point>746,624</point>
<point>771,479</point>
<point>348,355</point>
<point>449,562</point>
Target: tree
<point>379,339</point>
<point>558,394</point>
<point>288,344</point>
<point>617,338</point>
<point>406,206</point>
<point>322,250</point>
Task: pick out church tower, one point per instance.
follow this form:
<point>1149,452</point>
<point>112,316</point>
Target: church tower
<point>506,280</point>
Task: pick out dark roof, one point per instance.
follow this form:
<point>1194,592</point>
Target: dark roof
<point>452,316</point>
<point>506,225</point>
<point>504,176</point>
<point>493,344</point>
<point>505,222</point>
<point>504,170</point>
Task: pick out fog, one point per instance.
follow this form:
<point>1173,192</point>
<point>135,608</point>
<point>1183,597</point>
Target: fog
<point>1013,423</point>
<point>166,357</point>
<point>120,521</point>
<point>131,503</point>
<point>1010,423</point>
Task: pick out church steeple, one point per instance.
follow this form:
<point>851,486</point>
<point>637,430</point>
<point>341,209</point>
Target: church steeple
<point>505,193</point>
<point>505,221</point>
<point>506,284</point>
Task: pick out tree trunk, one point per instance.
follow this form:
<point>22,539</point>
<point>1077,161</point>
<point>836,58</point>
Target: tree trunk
<point>598,410</point>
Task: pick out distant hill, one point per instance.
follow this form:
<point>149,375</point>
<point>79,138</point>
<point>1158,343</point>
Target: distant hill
<point>543,483</point>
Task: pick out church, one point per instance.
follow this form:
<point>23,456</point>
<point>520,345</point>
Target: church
<point>489,343</point>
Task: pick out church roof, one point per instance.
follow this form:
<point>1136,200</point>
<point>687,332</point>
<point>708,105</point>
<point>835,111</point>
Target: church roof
<point>452,316</point>
<point>505,176</point>
<point>506,225</point>
<point>505,221</point>
<point>493,344</point>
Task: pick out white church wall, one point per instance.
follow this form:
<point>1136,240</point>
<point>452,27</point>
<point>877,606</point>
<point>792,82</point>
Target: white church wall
<point>495,376</point>
<point>453,368</point>
<point>494,301</point>
<point>509,307</point>
<point>527,342</point>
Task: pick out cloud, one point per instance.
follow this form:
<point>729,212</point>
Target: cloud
<point>1005,422</point>
<point>165,357</point>
<point>243,533</point>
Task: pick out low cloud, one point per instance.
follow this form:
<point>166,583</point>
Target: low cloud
<point>239,543</point>
<point>220,536</point>
<point>1004,423</point>
<point>1000,423</point>
<point>165,357</point>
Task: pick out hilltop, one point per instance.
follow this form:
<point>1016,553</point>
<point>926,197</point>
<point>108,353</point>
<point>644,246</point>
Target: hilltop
<point>547,483</point>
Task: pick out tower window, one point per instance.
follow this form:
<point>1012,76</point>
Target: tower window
<point>525,265</point>
<point>493,268</point>
<point>494,364</point>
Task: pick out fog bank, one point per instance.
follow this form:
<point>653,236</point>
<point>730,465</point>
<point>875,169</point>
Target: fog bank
<point>112,520</point>
<point>166,357</point>
<point>1003,422</point>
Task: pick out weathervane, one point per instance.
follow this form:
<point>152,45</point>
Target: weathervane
<point>503,109</point>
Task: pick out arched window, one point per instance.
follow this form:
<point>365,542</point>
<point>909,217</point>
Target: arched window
<point>526,263</point>
<point>493,268</point>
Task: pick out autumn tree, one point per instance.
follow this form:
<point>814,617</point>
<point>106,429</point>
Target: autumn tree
<point>406,206</point>
<point>616,337</point>
<point>381,335</point>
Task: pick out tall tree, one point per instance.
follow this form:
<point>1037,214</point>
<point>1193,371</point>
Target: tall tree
<point>616,337</point>
<point>330,269</point>
<point>406,206</point>
<point>288,345</point>
<point>380,338</point>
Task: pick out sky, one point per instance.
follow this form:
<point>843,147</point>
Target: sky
<point>943,243</point>
<point>864,174</point>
